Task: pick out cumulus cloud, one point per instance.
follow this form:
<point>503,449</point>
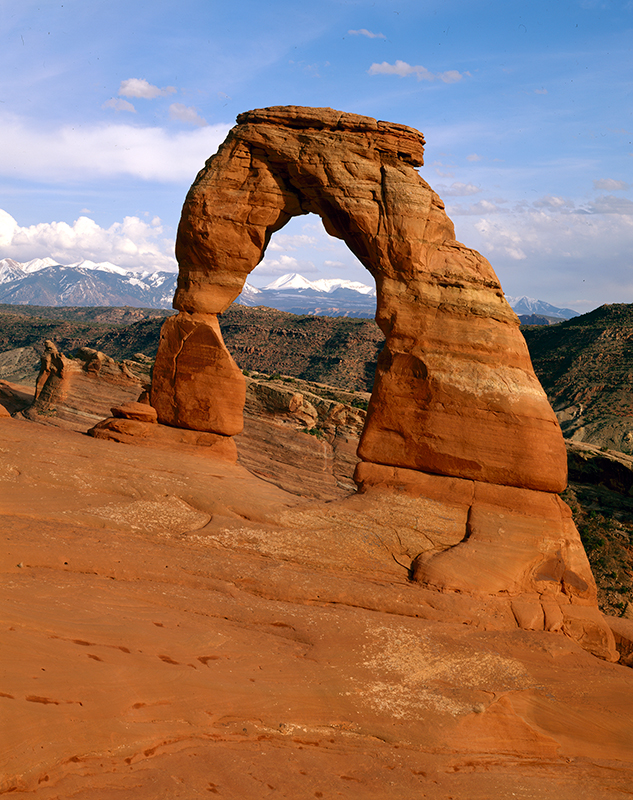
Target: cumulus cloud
<point>187,114</point>
<point>403,70</point>
<point>474,157</point>
<point>139,87</point>
<point>79,153</point>
<point>610,185</point>
<point>457,189</point>
<point>608,204</point>
<point>284,264</point>
<point>132,243</point>
<point>369,34</point>
<point>119,105</point>
<point>291,242</point>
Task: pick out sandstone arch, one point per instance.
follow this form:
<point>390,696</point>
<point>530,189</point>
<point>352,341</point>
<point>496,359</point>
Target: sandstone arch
<point>457,418</point>
<point>455,393</point>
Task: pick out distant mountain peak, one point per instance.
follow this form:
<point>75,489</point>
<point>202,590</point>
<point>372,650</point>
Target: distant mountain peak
<point>291,280</point>
<point>530,305</point>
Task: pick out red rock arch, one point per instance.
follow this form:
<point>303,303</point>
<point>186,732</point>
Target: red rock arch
<point>455,393</point>
<point>457,418</point>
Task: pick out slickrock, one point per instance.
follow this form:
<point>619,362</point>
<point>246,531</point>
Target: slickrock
<point>299,440</point>
<point>15,397</point>
<point>142,412</point>
<point>175,627</point>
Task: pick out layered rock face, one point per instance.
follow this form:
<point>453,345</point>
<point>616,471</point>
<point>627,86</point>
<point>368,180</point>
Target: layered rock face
<point>455,395</point>
<point>77,392</point>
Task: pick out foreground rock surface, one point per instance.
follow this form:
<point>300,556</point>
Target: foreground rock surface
<point>174,626</point>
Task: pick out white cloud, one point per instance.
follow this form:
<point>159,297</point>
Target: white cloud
<point>540,91</point>
<point>610,185</point>
<point>285,241</point>
<point>457,189</point>
<point>285,264</point>
<point>482,207</point>
<point>554,203</point>
<point>474,157</point>
<point>557,257</point>
<point>369,34</point>
<point>79,153</point>
<point>139,87</point>
<point>608,204</point>
<point>132,244</point>
<point>402,69</point>
<point>186,114</point>
<point>119,105</point>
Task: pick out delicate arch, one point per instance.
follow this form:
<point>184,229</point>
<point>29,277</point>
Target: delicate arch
<point>455,393</point>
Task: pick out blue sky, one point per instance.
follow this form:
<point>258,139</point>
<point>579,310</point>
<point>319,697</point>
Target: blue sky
<point>109,108</point>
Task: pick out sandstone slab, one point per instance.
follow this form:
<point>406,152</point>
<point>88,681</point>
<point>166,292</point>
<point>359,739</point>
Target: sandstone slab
<point>174,626</point>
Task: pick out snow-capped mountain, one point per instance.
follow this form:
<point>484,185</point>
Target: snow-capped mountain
<point>528,305</point>
<point>338,297</point>
<point>332,297</point>
<point>44,282</point>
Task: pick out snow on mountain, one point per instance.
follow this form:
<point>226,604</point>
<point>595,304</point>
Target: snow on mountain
<point>11,270</point>
<point>86,283</point>
<point>529,305</point>
<point>38,263</point>
<point>42,281</point>
<point>331,284</point>
<point>249,296</point>
<point>104,266</point>
<point>290,281</point>
<point>293,280</point>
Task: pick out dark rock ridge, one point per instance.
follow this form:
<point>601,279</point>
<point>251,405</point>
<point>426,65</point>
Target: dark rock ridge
<point>586,367</point>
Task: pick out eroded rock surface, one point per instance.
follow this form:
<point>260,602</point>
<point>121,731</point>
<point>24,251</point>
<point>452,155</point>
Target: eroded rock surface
<point>78,391</point>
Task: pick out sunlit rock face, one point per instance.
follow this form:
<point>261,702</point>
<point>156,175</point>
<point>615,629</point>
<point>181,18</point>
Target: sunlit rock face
<point>455,395</point>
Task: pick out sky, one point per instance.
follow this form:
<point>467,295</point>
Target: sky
<point>108,109</point>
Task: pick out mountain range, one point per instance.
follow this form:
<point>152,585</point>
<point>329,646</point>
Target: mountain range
<point>44,282</point>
